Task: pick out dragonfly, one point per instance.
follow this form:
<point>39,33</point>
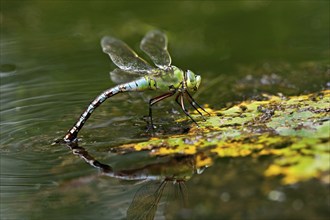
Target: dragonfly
<point>162,77</point>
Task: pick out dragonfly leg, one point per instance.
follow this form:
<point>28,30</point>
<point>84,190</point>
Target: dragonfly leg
<point>181,103</point>
<point>155,100</point>
<point>177,98</point>
<point>182,192</point>
<point>194,104</point>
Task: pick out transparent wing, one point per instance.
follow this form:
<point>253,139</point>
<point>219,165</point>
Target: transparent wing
<point>119,76</point>
<point>123,56</point>
<point>154,44</point>
<point>145,202</point>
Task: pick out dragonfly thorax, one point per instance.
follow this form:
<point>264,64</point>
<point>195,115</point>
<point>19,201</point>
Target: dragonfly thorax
<point>185,80</point>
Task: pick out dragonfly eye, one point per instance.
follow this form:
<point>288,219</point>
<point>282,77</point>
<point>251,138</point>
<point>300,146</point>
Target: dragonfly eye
<point>192,80</point>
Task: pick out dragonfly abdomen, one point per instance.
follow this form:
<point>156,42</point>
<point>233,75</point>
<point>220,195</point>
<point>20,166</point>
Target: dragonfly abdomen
<point>144,83</point>
<point>72,133</point>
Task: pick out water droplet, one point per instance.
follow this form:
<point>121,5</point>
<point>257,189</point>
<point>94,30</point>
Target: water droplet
<point>200,170</point>
<point>276,196</point>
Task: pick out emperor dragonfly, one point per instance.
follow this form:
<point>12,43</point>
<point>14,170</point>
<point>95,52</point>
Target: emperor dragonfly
<point>167,78</point>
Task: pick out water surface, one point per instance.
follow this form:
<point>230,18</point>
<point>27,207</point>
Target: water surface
<point>52,66</point>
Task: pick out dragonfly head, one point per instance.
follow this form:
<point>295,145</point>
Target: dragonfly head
<point>192,80</point>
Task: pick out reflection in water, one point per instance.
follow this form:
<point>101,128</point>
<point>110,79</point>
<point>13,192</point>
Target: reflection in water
<point>148,197</point>
<point>162,180</point>
<point>50,67</point>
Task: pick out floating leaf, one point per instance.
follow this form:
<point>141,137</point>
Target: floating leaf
<point>294,130</point>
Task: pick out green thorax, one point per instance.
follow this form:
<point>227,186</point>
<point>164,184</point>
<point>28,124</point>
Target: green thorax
<point>166,80</point>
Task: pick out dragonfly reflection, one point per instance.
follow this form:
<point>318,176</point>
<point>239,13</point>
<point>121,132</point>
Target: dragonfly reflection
<point>162,181</point>
<point>147,199</point>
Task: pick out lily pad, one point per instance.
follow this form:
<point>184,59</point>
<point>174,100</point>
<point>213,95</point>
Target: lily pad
<point>294,131</point>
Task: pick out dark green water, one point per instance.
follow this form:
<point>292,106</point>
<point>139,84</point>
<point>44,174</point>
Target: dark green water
<point>52,66</point>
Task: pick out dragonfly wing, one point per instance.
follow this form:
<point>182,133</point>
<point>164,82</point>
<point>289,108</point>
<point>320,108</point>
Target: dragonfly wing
<point>123,56</point>
<point>154,44</point>
<point>145,202</point>
<point>119,76</point>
